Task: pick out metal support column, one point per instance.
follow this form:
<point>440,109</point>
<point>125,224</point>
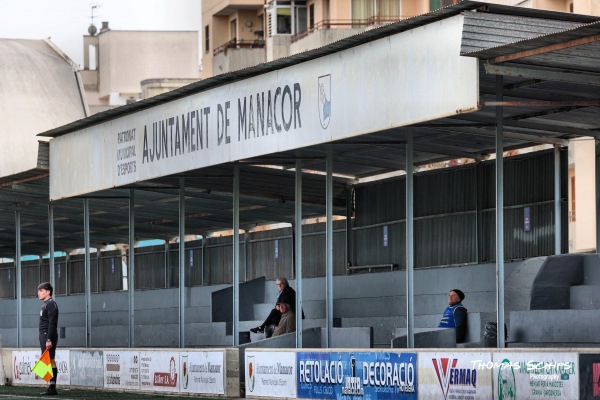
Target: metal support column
<point>410,312</point>
<point>246,246</point>
<point>236,254</point>
<point>329,244</point>
<point>18,282</point>
<point>298,249</point>
<point>167,267</point>
<point>51,245</point>
<point>181,263</point>
<point>557,212</point>
<point>500,214</point>
<point>88,275</point>
<point>203,257</point>
<point>131,268</point>
<point>349,238</point>
<point>597,191</point>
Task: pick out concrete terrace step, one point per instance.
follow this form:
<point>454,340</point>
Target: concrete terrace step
<point>591,269</point>
<point>554,326</point>
<point>585,297</point>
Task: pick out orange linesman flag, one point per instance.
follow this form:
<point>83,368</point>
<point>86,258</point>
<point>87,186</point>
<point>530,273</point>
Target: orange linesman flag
<point>43,368</point>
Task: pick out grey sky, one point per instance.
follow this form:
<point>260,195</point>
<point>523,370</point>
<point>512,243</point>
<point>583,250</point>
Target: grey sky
<point>66,21</point>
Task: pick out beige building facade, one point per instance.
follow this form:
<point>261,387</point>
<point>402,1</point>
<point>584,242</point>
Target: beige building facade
<point>117,62</point>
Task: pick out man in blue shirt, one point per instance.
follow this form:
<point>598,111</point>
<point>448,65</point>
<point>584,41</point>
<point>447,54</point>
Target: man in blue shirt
<point>455,315</point>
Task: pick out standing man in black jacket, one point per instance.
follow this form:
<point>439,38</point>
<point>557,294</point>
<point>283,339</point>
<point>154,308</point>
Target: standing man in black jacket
<point>49,330</point>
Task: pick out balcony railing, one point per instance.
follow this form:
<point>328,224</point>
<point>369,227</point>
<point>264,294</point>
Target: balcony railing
<point>239,44</point>
<point>345,23</point>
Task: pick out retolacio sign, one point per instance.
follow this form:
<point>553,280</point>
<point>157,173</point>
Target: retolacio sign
<point>349,375</point>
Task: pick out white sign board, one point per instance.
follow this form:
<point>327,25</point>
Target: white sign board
<point>23,362</point>
<point>457,376</point>
<point>410,77</point>
<point>536,376</point>
<point>202,372</point>
<point>87,368</point>
<point>63,364</point>
<point>270,374</point>
<point>122,369</point>
<point>159,371</point>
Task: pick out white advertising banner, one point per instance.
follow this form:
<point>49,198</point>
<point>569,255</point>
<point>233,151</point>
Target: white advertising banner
<point>63,364</point>
<point>456,376</point>
<point>414,76</point>
<point>159,370</point>
<point>202,372</point>
<point>271,374</point>
<point>536,376</point>
<point>23,362</point>
<point>122,369</point>
<point>87,368</point>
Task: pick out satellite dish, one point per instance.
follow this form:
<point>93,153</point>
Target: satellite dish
<point>92,30</point>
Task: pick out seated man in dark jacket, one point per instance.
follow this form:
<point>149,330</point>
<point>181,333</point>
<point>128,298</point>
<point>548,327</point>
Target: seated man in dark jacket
<point>286,295</point>
<point>455,315</point>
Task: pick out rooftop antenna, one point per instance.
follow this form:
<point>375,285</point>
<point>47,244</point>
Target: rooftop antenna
<point>92,30</point>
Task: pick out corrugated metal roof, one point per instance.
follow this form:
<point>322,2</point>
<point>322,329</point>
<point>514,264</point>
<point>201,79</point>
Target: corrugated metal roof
<point>484,30</point>
<point>576,48</point>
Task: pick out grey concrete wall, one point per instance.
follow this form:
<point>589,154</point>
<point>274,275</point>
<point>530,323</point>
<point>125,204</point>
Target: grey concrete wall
<point>591,269</point>
<point>349,338</point>
<point>249,293</point>
<point>551,289</point>
<point>426,338</point>
<point>555,326</point>
<point>156,318</point>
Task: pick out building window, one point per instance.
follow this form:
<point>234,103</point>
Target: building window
<point>375,9</point>
<point>287,17</point>
<point>437,4</point>
<point>311,16</point>
<point>206,40</point>
<point>233,29</point>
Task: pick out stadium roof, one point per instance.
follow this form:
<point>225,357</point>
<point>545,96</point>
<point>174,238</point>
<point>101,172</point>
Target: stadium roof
<point>549,69</point>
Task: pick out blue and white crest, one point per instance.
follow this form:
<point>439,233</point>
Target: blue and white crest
<point>324,102</point>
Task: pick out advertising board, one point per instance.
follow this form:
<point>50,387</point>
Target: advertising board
<point>536,376</point>
<point>347,375</point>
<point>202,372</point>
<point>457,376</point>
<point>122,369</point>
<point>270,374</point>
<point>24,360</point>
<point>87,368</point>
<point>159,371</point>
